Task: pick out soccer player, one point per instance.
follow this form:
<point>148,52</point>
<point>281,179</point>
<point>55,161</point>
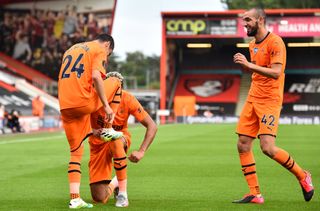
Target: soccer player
<point>105,155</point>
<point>81,92</point>
<point>260,115</point>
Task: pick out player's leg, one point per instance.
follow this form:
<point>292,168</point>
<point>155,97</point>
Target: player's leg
<point>114,182</point>
<point>118,148</point>
<point>76,129</point>
<point>247,129</point>
<point>269,118</point>
<point>100,169</point>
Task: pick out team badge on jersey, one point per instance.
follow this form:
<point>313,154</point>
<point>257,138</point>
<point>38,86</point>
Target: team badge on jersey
<point>255,50</point>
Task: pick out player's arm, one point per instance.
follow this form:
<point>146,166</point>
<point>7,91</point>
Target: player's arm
<point>99,86</point>
<point>151,130</point>
<point>273,72</point>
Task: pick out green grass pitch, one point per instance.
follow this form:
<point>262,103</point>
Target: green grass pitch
<point>188,167</point>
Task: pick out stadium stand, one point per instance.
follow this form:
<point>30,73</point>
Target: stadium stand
<point>32,44</point>
<point>47,34</point>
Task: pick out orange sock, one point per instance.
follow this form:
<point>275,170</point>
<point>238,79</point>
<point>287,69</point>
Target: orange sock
<point>74,195</point>
<point>74,172</point>
<point>119,159</point>
<point>249,171</point>
<point>287,161</point>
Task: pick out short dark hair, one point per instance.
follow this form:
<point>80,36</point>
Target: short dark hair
<point>106,38</point>
<point>261,13</point>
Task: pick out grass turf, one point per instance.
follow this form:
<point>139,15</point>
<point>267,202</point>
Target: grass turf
<point>188,167</point>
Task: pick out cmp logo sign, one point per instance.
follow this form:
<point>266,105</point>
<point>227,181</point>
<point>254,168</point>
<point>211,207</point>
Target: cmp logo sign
<point>185,27</point>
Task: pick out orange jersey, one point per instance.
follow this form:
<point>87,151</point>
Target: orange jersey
<point>129,105</point>
<point>75,86</point>
<point>269,51</point>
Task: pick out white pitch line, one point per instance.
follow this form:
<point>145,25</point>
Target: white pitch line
<point>53,137</point>
<point>31,139</point>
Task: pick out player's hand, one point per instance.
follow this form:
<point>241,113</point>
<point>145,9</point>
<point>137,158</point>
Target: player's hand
<point>136,156</point>
<point>96,132</point>
<point>239,58</point>
<point>109,114</point>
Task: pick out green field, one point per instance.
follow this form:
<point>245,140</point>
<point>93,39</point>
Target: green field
<point>188,167</point>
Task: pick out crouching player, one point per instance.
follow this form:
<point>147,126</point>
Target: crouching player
<point>105,155</point>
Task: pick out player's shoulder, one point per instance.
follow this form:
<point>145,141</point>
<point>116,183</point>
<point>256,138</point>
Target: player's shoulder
<point>129,99</point>
<point>127,95</point>
<point>274,37</point>
<point>94,47</point>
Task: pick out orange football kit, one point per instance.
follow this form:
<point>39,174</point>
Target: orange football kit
<point>78,98</point>
<point>102,153</point>
<point>261,111</point>
<point>260,116</point>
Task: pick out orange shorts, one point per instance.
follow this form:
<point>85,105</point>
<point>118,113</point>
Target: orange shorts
<point>100,164</point>
<point>259,119</point>
<point>76,121</point>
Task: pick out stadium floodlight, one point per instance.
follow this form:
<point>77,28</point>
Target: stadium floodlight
<point>199,45</point>
<point>304,44</point>
<point>242,45</point>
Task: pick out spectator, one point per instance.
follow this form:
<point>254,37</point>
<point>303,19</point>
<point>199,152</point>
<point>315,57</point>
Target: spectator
<point>50,22</point>
<point>6,38</point>
<point>70,23</point>
<point>51,42</point>
<point>64,44</point>
<point>82,27</point>
<point>58,26</point>
<point>13,122</point>
<point>92,26</point>
<point>37,107</point>
<point>37,31</point>
<point>22,50</point>
<point>2,110</point>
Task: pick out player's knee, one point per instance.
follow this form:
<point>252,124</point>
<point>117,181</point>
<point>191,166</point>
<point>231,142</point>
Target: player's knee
<point>244,145</point>
<point>267,145</point>
<point>267,149</point>
<point>98,194</point>
<point>77,153</point>
<point>98,198</point>
<point>118,148</point>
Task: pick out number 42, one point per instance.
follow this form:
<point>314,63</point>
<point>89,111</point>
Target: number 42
<point>265,119</point>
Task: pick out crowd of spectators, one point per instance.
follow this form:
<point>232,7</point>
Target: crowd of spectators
<point>39,38</point>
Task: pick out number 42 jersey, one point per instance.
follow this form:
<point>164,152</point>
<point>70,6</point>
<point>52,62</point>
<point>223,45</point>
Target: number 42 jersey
<point>75,85</point>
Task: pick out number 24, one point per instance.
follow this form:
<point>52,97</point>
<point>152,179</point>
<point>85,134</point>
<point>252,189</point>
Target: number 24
<point>75,68</point>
